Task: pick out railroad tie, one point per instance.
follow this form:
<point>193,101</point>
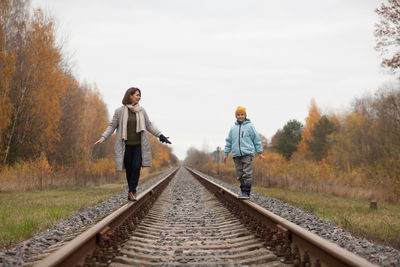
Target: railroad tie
<point>187,225</point>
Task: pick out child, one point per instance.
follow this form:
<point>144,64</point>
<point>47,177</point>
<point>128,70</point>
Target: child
<point>243,141</point>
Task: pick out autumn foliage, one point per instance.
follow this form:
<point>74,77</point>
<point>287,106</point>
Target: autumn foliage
<point>313,116</point>
<point>49,120</point>
<point>354,153</point>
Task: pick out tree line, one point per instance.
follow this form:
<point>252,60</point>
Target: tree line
<point>44,109</point>
<point>350,152</point>
<point>366,137</point>
<point>45,112</point>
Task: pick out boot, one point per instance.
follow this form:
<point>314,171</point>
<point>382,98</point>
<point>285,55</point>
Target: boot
<point>245,188</point>
<point>248,189</point>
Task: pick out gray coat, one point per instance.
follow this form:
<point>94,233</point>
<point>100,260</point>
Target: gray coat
<point>119,147</point>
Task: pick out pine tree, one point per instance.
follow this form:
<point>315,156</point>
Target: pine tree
<point>318,145</point>
<point>289,138</point>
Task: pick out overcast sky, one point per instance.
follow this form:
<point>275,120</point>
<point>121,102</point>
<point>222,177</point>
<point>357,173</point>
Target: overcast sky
<point>196,61</point>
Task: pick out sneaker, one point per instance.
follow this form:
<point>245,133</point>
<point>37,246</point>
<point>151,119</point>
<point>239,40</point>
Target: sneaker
<point>243,196</point>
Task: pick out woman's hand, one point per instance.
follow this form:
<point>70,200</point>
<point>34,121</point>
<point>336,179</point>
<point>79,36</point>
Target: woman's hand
<point>164,139</point>
<point>261,156</point>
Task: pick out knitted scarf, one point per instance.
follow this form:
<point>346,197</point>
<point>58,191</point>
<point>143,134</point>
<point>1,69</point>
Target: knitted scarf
<point>140,123</point>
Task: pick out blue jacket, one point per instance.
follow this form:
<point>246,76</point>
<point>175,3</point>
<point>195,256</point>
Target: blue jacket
<point>242,140</point>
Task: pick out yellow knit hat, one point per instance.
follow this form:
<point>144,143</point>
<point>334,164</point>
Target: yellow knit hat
<point>240,110</point>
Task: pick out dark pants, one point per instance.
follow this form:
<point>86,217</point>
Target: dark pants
<point>244,169</point>
<point>133,162</point>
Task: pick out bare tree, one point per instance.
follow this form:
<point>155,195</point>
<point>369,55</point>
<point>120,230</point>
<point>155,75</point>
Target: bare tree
<point>387,33</point>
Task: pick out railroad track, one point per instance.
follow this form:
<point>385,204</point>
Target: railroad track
<point>179,222</point>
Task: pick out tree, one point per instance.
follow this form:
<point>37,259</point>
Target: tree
<point>274,140</point>
<point>288,139</point>
<point>387,34</point>
<point>318,145</point>
<point>6,70</point>
<point>351,145</point>
<point>13,24</point>
<point>39,124</point>
<point>196,158</point>
<point>72,108</point>
<point>43,108</point>
<point>313,117</point>
<point>264,141</point>
<point>91,123</point>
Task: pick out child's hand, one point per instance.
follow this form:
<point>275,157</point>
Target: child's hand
<point>101,140</point>
<point>261,156</point>
<point>225,160</point>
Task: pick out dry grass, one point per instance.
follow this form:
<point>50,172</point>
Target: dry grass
<point>354,215</point>
<point>328,187</point>
<point>39,174</point>
<point>345,205</point>
<point>309,176</point>
<point>23,214</point>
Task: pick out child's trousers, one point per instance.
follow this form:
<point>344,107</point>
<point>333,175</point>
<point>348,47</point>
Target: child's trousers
<point>244,168</point>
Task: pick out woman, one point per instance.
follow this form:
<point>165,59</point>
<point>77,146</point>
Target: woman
<point>132,146</point>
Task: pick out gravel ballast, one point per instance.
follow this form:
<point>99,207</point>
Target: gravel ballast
<point>37,247</point>
<point>371,251</point>
<point>188,226</point>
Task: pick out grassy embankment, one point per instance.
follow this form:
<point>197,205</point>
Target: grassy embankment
<point>347,205</point>
<point>24,214</point>
<point>354,215</point>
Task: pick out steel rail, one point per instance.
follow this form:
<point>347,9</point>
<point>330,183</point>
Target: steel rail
<point>287,239</point>
<point>107,233</point>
